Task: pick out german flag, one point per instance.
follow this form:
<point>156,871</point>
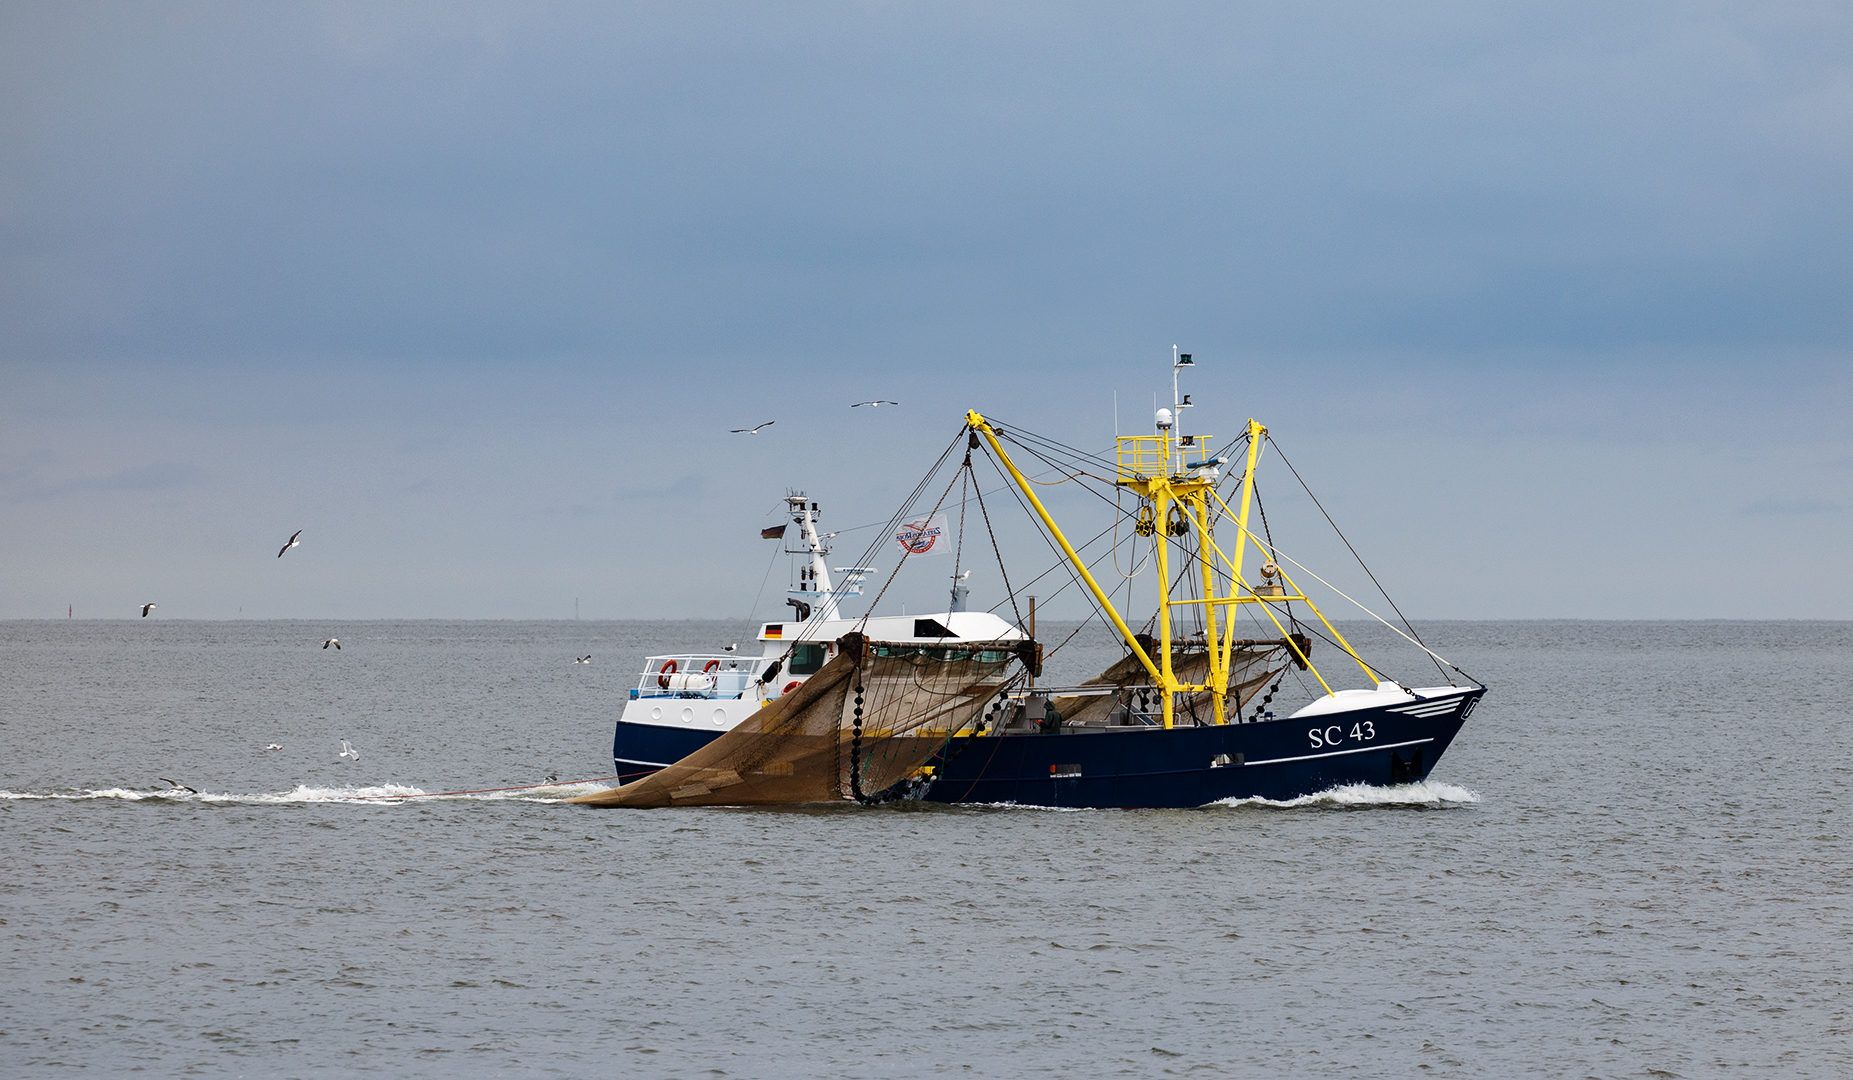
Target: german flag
<point>776,532</point>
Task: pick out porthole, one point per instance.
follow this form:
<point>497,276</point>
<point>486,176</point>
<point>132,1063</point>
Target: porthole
<point>656,712</point>
<point>720,717</point>
<point>688,716</point>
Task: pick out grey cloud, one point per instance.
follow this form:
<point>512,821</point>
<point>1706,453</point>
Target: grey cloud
<point>147,478</point>
<point>1792,507</point>
<point>626,178</point>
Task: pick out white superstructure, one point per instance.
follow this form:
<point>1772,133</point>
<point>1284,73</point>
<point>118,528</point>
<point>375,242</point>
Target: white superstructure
<point>711,692</point>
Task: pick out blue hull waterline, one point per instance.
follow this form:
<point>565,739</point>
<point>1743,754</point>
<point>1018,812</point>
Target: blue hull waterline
<point>1196,766</point>
<point>1277,760</point>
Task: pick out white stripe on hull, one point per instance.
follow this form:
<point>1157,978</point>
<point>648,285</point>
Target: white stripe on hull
<point>1339,753</point>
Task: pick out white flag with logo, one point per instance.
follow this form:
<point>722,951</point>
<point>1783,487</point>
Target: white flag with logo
<point>924,537</point>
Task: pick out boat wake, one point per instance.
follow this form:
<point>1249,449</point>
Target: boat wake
<point>381,795</point>
<point>1427,793</point>
<point>1430,794</point>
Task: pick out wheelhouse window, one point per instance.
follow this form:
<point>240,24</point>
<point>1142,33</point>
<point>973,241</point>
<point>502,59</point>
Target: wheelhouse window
<point>807,658</point>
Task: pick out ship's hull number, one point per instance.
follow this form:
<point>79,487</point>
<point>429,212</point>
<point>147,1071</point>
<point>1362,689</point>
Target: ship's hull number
<point>1362,731</point>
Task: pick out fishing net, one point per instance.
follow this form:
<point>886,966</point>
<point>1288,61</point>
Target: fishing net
<point>1250,668</point>
<point>867,721</point>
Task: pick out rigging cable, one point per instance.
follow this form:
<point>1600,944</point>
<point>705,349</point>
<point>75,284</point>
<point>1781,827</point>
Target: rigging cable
<point>1437,656</point>
<point>1360,559</point>
<point>1060,559</point>
<point>1118,510</point>
<point>1061,562</point>
<point>897,566</point>
<point>1138,565</point>
<point>776,552</point>
<point>1010,594</point>
<point>899,516</point>
<point>1269,533</point>
<point>958,551</point>
<point>1080,455</point>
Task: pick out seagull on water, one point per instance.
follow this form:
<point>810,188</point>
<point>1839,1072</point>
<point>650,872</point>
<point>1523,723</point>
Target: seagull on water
<point>874,404</point>
<point>175,785</point>
<point>335,641</point>
<point>273,746</point>
<point>553,778</point>
<point>347,750</point>
<point>293,542</point>
<point>146,608</point>
<point>753,430</point>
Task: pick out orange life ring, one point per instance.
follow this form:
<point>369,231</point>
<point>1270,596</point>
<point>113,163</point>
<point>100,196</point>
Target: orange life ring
<point>789,687</point>
<point>710,666</point>
<point>663,673</point>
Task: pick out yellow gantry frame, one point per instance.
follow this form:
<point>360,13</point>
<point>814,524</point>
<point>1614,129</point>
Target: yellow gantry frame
<point>1187,487</point>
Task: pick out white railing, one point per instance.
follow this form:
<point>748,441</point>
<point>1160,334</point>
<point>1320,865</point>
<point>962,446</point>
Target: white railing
<point>694,675</point>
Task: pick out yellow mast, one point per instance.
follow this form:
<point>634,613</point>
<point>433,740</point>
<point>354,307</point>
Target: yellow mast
<point>1161,502</point>
<point>1255,434</point>
<point>1219,659</point>
<point>1155,468</point>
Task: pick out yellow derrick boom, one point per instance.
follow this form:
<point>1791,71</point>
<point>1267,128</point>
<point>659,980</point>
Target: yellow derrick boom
<point>1183,502</point>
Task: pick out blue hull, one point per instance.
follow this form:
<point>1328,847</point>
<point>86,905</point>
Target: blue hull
<point>637,750</point>
<point>1183,767</point>
<point>1150,767</point>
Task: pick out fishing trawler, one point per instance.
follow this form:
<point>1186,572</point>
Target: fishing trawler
<point>945,708</point>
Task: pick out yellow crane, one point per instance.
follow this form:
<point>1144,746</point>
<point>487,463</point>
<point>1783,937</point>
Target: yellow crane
<point>1179,500</point>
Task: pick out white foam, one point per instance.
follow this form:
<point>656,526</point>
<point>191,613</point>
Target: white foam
<point>388,794</point>
<point>1027,806</point>
<point>303,793</point>
<point>100,793</point>
<point>1426,793</point>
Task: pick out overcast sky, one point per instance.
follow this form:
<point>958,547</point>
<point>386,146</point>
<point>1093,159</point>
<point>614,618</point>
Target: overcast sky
<point>1552,303</point>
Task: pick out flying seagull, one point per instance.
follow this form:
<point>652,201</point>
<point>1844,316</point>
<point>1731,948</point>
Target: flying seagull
<point>877,404</point>
<point>347,750</point>
<point>553,778</point>
<point>173,784</point>
<point>753,430</point>
<point>731,648</point>
<point>146,608</point>
<point>293,542</point>
<point>335,641</point>
<point>586,659</point>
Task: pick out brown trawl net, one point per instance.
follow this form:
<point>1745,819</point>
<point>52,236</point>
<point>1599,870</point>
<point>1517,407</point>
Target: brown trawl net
<point>870,719</point>
<point>1250,667</point>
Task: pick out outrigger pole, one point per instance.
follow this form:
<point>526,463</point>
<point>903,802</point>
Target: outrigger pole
<point>983,427</point>
<point>1155,468</point>
<point>1136,453</point>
